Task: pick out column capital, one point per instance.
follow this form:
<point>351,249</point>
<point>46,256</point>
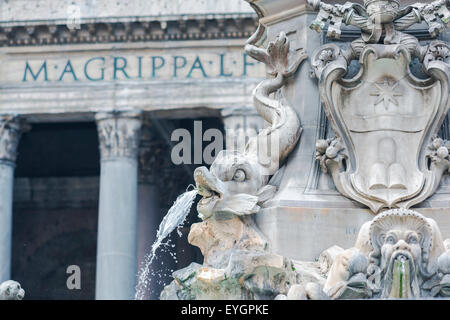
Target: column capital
<point>11,129</point>
<point>119,134</point>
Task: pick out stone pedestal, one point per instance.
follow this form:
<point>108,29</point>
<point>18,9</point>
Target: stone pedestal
<point>119,134</point>
<point>10,131</point>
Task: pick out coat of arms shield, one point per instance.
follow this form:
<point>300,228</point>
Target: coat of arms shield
<point>385,120</point>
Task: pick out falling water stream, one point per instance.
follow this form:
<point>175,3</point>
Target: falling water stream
<point>174,218</point>
<point>402,290</point>
<point>400,281</point>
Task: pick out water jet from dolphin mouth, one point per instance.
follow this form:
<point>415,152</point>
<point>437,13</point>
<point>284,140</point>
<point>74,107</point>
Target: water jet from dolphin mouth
<point>174,218</point>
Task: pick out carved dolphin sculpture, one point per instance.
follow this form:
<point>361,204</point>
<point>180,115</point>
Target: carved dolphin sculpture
<point>236,183</point>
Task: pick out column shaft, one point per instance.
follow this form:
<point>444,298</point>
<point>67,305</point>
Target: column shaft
<point>6,199</point>
<point>10,131</point>
<point>117,226</point>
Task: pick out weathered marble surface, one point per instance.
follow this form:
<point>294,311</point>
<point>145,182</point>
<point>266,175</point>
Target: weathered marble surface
<point>239,265</point>
<point>248,276</point>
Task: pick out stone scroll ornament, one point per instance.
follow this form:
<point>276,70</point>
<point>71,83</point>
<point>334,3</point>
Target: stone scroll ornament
<point>238,262</point>
<point>400,254</point>
<point>386,153</point>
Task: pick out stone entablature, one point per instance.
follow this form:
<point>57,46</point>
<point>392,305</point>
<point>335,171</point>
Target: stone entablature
<point>134,55</point>
<point>201,77</point>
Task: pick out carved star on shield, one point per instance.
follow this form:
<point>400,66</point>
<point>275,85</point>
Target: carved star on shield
<point>386,93</point>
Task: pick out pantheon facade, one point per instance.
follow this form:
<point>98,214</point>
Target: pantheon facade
<point>90,95</point>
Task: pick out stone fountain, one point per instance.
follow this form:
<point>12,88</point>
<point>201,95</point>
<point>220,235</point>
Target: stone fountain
<point>356,121</point>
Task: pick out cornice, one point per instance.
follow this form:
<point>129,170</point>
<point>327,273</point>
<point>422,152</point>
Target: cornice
<point>201,28</point>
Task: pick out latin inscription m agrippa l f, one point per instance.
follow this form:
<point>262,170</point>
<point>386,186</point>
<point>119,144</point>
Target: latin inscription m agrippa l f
<point>137,67</point>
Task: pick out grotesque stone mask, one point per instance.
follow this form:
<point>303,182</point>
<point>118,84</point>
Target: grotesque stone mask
<point>401,241</point>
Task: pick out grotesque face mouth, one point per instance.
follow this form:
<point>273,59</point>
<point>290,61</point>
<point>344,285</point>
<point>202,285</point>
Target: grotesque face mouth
<point>402,257</point>
<point>400,276</point>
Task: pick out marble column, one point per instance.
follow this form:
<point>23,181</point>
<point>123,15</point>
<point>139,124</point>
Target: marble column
<point>149,211</point>
<point>240,124</point>
<point>10,132</point>
<point>119,136</point>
